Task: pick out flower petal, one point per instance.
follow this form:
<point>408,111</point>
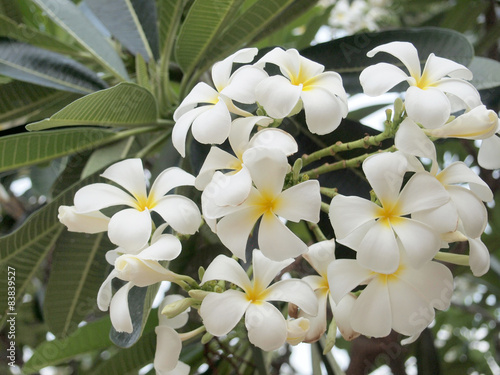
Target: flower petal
<point>167,247</point>
<point>242,84</point>
<point>95,197</point>
<point>379,78</point>
<point>439,67</point>
<point>129,174</point>
<point>342,314</point>
<point>265,269</point>
<point>344,275</point>
<point>349,213</point>
<point>168,348</point>
<point>266,326</point>
<point>404,51</point>
<point>213,125</point>
<point>216,159</point>
<point>276,241</point>
<point>278,96</point>
<point>488,156</point>
<point>430,108</point>
<point>119,311</point>
<point>228,269</point>
<point>459,173</point>
<point>201,93</point>
<point>182,125</point>
<point>412,140</point>
<point>295,291</point>
<point>167,180</point>
<point>235,188</point>
<point>241,128</point>
<point>91,222</point>
<point>317,324</point>
<point>461,89</point>
<point>422,191</point>
<point>320,255</point>
<point>230,304</point>
<point>300,202</point>
<point>221,71</point>
<point>268,168</point>
<point>471,210</point>
<point>324,111</point>
<point>106,292</point>
<point>274,138</point>
<point>180,213</point>
<point>130,229</point>
<point>479,257</point>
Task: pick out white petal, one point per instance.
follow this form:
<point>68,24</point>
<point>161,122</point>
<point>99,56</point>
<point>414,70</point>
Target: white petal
<point>177,321</point>
<point>412,140</point>
<point>385,174</point>
<point>128,174</point>
<point>98,196</point>
<point>167,180</point>
<point>212,126</point>
<point>130,229</point>
<point>265,269</point>
<point>342,314</point>
<point>278,96</point>
<point>324,111</point>
<point>438,67</point>
<point>489,153</point>
<point>233,230</point>
<point>300,202</point>
<point>231,305</point>
<point>235,188</point>
<point>330,81</point>
<point>201,93</point>
<point>241,128</point>
<point>297,330</point>
<point>119,311</point>
<point>442,219</point>
<point>228,269</point>
<point>276,241</point>
<point>471,210</point>
<point>344,275</point>
<point>221,70</point>
<point>216,187</point>
<point>423,191</point>
<point>168,348</point>
<point>268,168</point>
<point>266,326</point>
<point>479,257</point>
<point>380,78</point>
<point>92,222</point>
<point>349,213</point>
<point>320,255</point>
<point>459,172</point>
<point>180,213</point>
<point>141,272</point>
<point>167,247</point>
<point>317,324</point>
<point>404,51</point>
<point>430,108</point>
<point>216,159</point>
<point>182,125</point>
<point>242,84</point>
<point>274,138</point>
<point>371,313</point>
<point>180,369</point>
<point>295,291</point>
<point>106,292</point>
<point>461,89</point>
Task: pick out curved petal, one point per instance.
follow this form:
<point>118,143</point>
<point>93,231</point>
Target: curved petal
<point>129,174</point>
<point>130,229</point>
<point>442,219</point>
<point>459,173</point>
<point>265,269</point>
<point>320,255</point>
<point>119,311</point>
<point>342,314</point>
<point>266,326</point>
<point>344,275</point>
<point>167,180</point>
<point>324,111</point>
<point>404,51</point>
<point>385,174</point>
<point>317,324</point>
<point>461,89</point>
<point>420,242</point>
<point>242,84</point>
<point>141,272</point>
<point>235,188</point>
<point>230,304</point>
<point>221,70</point>
<point>91,222</point>
<point>295,291</point>
<point>379,78</point>
<point>228,269</point>
<point>371,314</point>
<point>182,125</point>
<point>430,108</point>
<point>201,93</point>
<point>274,138</point>
<point>479,257</point>
<point>241,128</point>
<point>412,140</point>
<point>167,247</point>
<point>97,196</point>
<point>278,96</point>
<point>268,168</point>
<point>180,213</point>
<point>300,202</point>
<point>216,159</point>
<point>349,213</point>
<point>471,210</point>
<point>217,187</point>
<point>423,191</point>
<point>168,349</point>
<point>213,125</point>
<point>106,292</point>
<point>276,241</point>
<point>297,330</point>
<point>489,153</point>
<point>439,67</point>
<point>330,81</point>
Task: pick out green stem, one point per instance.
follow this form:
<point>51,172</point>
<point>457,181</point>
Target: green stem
<point>318,233</point>
<point>325,207</point>
<point>329,192</point>
<point>458,259</point>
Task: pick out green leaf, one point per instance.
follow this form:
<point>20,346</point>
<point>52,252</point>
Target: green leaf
<point>142,74</point>
<point>25,249</point>
<point>22,102</point>
<point>11,9</point>
<point>67,15</point>
<point>169,16</point>
<point>347,56</point>
<point>132,24</point>
<point>90,337</point>
<point>78,270</point>
<point>123,105</point>
<point>104,156</point>
<point>201,27</point>
<point>486,73</point>
<point>35,65</point>
<point>24,149</point>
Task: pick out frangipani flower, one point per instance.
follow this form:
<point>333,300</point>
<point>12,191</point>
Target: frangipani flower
<point>131,227</point>
<point>237,182</point>
<point>141,270</point>
<point>212,120</point>
<point>267,328</point>
<point>374,231</point>
<point>169,342</point>
<point>266,200</point>
<point>403,300</point>
<point>305,84</point>
<point>429,99</point>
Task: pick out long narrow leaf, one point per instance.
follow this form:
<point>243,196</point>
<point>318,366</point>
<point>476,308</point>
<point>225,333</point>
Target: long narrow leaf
<point>25,149</point>
<point>169,16</point>
<point>35,65</point>
<point>124,105</point>
<point>67,15</point>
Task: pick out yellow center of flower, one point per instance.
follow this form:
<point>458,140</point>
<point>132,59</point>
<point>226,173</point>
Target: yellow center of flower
<point>256,294</point>
<point>385,278</point>
<point>423,81</point>
<point>267,203</point>
<point>389,214</point>
<point>143,202</point>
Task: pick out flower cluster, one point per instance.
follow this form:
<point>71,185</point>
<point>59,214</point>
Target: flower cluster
<point>250,193</point>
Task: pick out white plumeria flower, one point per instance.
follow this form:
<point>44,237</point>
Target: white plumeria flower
<point>304,84</point>
<point>319,256</point>
<point>211,121</point>
<point>374,231</point>
<point>237,182</point>
<point>266,200</point>
<point>131,227</point>
<point>296,330</point>
<point>403,300</point>
<point>142,269</point>
<point>434,93</point>
<point>267,328</point>
<point>91,222</point>
<point>169,342</point>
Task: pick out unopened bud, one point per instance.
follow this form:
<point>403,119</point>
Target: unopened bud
<point>175,308</point>
<point>206,338</point>
<point>198,294</point>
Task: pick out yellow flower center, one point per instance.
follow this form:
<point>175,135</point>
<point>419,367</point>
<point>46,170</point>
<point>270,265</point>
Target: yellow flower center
<point>256,294</point>
<point>385,278</point>
<point>423,82</point>
<point>267,203</point>
<point>390,214</point>
<point>143,202</point>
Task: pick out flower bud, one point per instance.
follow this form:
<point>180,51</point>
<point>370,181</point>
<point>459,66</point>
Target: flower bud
<point>92,222</point>
<point>296,330</point>
<point>342,313</point>
<point>139,271</point>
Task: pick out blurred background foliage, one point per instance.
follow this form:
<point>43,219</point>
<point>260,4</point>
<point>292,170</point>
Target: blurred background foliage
<point>463,340</point>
